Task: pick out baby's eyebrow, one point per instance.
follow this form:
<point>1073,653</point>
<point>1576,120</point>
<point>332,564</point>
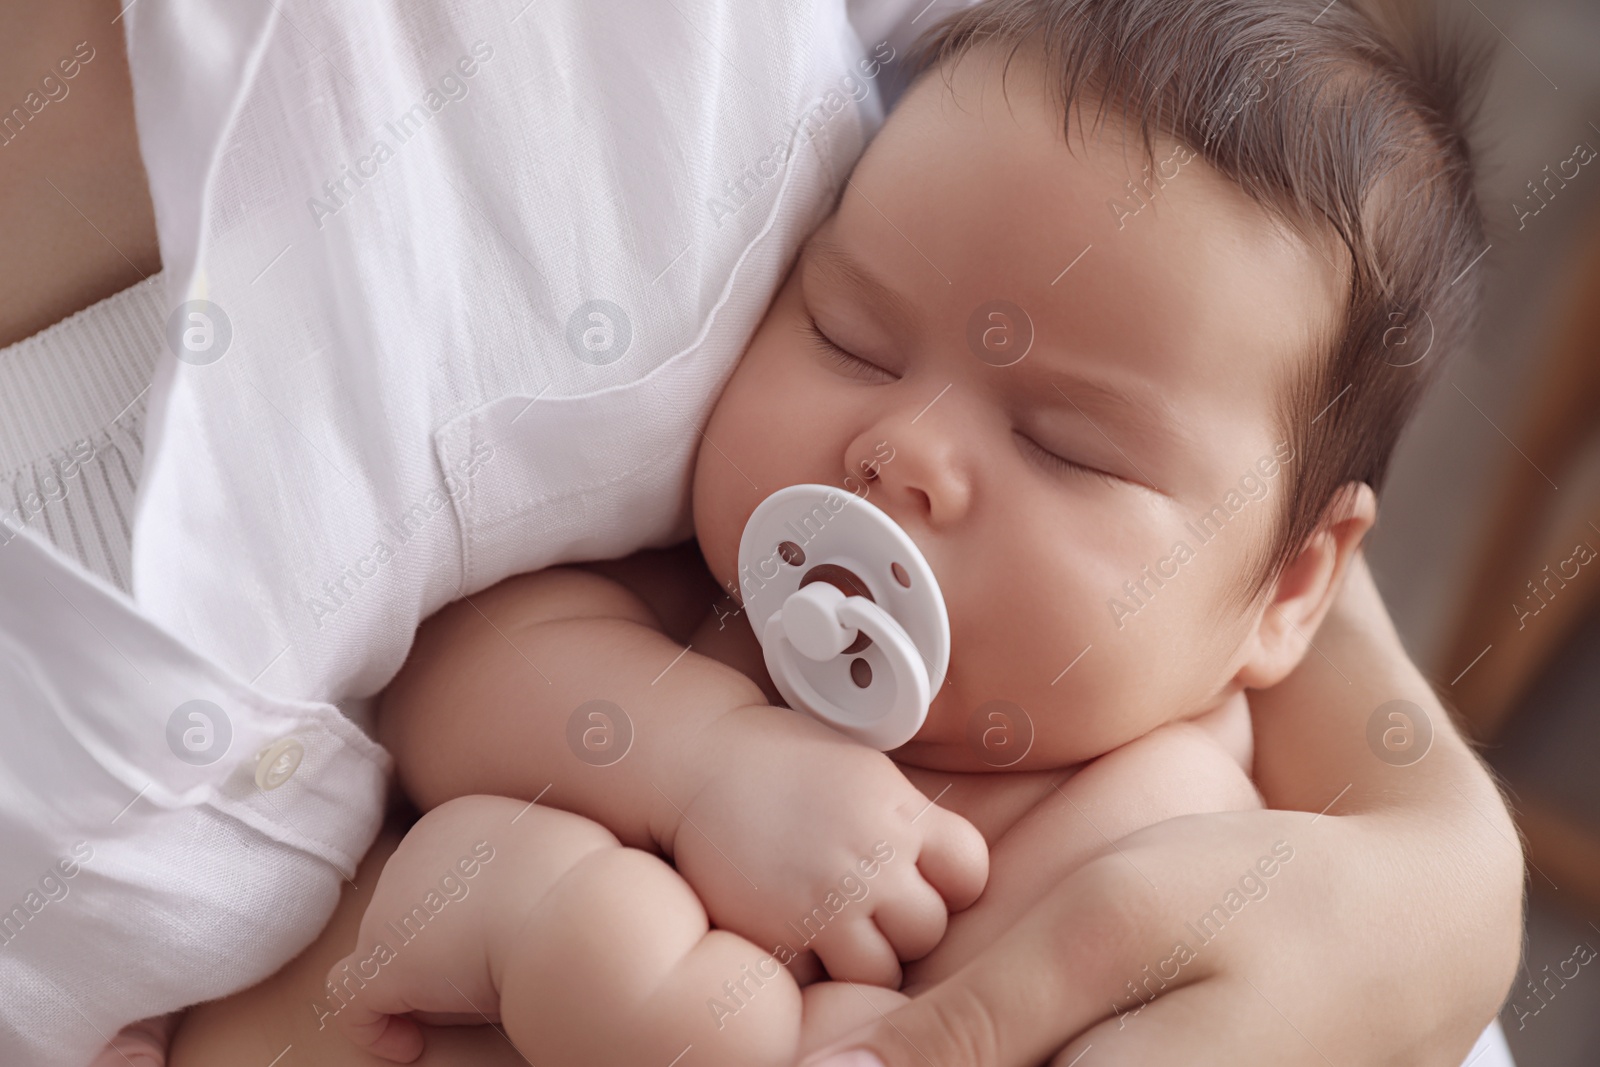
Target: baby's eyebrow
<point>849,273</point>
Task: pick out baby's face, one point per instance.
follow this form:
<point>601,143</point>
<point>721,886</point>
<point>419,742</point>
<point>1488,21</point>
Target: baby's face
<point>1036,477</point>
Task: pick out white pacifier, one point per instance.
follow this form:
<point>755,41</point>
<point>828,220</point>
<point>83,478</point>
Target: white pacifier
<point>868,661</point>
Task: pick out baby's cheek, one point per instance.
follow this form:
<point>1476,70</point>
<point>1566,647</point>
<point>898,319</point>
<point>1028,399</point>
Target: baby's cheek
<point>721,497</point>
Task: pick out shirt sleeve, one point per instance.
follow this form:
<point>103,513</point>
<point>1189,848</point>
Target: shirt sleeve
<point>158,817</point>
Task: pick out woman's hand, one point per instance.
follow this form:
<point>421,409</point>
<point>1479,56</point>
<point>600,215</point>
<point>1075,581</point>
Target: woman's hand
<point>1374,918</point>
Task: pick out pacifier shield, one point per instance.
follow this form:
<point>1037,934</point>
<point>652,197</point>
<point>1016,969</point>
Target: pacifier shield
<point>878,687</point>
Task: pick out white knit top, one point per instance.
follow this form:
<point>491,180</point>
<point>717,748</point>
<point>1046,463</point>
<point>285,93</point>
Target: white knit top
<point>72,408</point>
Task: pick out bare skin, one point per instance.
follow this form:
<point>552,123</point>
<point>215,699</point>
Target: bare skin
<point>257,1024</point>
<point>76,223</point>
<point>1439,834</point>
<point>608,956</point>
<point>759,808</point>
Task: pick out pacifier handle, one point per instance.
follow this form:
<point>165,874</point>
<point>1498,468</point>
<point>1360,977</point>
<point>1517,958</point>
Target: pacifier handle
<point>818,621</point>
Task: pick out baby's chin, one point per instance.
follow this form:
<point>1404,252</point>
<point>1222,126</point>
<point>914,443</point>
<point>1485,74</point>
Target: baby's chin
<point>993,736</point>
<point>939,756</point>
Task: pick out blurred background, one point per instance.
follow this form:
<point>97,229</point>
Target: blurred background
<point>1488,544</point>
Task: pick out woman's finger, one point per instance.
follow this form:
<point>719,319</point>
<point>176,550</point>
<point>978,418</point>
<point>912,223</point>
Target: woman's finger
<point>1214,1023</point>
<point>1046,980</point>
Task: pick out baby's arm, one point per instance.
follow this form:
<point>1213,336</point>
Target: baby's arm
<point>763,810</point>
<point>488,700</point>
<point>1184,768</point>
<point>587,952</point>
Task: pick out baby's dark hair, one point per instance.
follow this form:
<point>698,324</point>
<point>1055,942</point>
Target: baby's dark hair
<point>1354,120</point>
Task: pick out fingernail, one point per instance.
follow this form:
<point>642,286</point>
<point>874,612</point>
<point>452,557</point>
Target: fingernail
<point>856,1057</point>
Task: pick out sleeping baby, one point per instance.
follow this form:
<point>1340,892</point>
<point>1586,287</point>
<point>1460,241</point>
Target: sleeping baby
<point>1128,397</point>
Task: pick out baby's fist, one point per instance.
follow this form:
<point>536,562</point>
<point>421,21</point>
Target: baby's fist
<point>798,839</point>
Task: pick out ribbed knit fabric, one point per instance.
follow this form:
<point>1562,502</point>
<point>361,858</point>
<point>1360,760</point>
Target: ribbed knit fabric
<point>72,407</point>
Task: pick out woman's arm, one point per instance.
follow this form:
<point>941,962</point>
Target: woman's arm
<point>1442,816</point>
<point>1387,931</point>
<point>76,222</point>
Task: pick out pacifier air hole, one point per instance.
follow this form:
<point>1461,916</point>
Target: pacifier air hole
<point>900,575</point>
<point>848,583</point>
<point>861,673</point>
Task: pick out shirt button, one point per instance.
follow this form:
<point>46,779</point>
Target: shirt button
<point>278,762</point>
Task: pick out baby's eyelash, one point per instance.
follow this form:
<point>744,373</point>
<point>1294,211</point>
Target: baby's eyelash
<point>1061,463</point>
<point>853,365</point>
<point>857,367</point>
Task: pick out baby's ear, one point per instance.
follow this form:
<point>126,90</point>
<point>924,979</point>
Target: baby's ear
<point>1302,594</point>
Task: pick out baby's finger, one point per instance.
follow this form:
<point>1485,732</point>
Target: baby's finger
<point>853,949</point>
<point>805,968</point>
<point>372,1020</point>
<point>954,858</point>
<point>911,915</point>
<point>455,1018</point>
<point>391,1037</point>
